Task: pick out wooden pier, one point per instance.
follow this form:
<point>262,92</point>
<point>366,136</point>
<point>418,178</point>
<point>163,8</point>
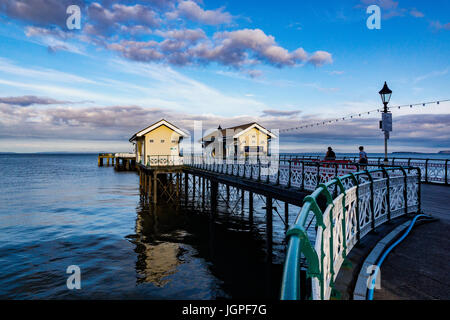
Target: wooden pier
<point>120,161</point>
<point>108,157</point>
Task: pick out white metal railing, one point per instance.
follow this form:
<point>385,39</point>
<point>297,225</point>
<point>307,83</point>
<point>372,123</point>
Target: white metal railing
<point>357,203</point>
<point>164,161</point>
<point>432,170</point>
<point>302,174</point>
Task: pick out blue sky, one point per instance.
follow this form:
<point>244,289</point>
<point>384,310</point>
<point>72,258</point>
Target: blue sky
<point>222,62</point>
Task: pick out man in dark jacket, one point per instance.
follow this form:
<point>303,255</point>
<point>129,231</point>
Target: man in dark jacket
<point>330,156</point>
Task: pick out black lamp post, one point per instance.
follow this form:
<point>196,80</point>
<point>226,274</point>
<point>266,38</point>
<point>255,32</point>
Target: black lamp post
<point>386,124</point>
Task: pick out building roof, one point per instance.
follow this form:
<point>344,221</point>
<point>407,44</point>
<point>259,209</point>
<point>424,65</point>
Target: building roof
<point>152,127</point>
<point>241,129</point>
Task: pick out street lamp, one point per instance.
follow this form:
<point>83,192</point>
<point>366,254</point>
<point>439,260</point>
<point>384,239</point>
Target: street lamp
<point>386,122</point>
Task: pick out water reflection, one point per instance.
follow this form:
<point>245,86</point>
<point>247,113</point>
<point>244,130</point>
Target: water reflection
<point>158,262</point>
<point>167,237</point>
<point>157,240</point>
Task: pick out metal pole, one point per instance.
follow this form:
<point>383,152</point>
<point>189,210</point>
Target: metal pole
<point>186,185</point>
<point>250,207</point>
<point>385,139</point>
<point>214,194</point>
<point>269,228</point>
<point>286,215</point>
<point>243,201</point>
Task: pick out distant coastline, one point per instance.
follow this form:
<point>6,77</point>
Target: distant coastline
<point>444,152</point>
<point>404,152</point>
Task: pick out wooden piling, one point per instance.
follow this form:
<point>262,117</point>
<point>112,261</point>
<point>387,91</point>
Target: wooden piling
<point>149,188</point>
<point>155,187</point>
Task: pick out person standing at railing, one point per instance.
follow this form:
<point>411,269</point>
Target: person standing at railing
<point>330,156</point>
<point>363,159</point>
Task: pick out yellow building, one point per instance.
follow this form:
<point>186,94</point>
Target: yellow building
<point>247,140</point>
<point>159,144</point>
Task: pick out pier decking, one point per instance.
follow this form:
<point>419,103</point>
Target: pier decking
<point>419,268</point>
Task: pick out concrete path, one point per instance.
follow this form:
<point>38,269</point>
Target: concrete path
<point>419,267</point>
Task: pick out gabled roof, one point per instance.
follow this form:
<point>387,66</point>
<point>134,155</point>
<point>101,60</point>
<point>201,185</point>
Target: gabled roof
<point>241,129</point>
<point>152,127</point>
<point>251,126</point>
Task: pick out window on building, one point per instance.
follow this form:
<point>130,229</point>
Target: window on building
<point>150,141</point>
<point>162,141</point>
<point>174,141</point>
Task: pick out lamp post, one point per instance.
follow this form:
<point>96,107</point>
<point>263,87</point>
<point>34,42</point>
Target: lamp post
<point>386,123</point>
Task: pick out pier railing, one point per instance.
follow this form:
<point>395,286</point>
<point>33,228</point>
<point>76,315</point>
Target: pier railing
<point>432,170</point>
<point>301,174</point>
<point>164,161</point>
<point>356,204</point>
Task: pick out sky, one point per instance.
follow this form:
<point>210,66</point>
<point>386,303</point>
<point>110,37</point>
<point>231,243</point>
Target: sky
<point>282,64</point>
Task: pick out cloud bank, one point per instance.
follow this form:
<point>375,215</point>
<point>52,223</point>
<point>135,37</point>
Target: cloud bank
<point>156,31</point>
<point>118,123</point>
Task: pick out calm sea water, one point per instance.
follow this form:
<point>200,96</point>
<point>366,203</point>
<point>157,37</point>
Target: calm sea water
<point>62,210</point>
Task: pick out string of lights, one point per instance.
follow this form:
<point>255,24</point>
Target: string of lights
<point>360,114</point>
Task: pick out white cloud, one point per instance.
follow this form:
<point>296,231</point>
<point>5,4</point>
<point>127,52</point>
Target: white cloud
<point>192,11</point>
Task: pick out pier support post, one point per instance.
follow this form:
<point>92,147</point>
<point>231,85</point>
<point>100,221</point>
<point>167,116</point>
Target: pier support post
<point>203,192</point>
<point>214,195</point>
<point>143,182</point>
<point>186,185</point>
<point>193,188</point>
<point>269,228</point>
<point>155,187</point>
<point>242,201</point>
<point>250,207</point>
<point>286,215</point>
<point>149,188</point>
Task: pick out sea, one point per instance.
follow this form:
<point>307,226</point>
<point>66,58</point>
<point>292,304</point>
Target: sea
<point>61,211</point>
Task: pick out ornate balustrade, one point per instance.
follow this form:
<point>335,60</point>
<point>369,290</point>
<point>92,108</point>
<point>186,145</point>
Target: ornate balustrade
<point>301,174</point>
<point>356,204</point>
<point>433,170</point>
<point>164,161</point>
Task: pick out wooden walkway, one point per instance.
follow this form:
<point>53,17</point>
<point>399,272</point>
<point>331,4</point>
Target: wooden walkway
<point>419,267</point>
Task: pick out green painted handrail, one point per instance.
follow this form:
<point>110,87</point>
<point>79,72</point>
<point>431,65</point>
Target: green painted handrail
<point>298,242</point>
